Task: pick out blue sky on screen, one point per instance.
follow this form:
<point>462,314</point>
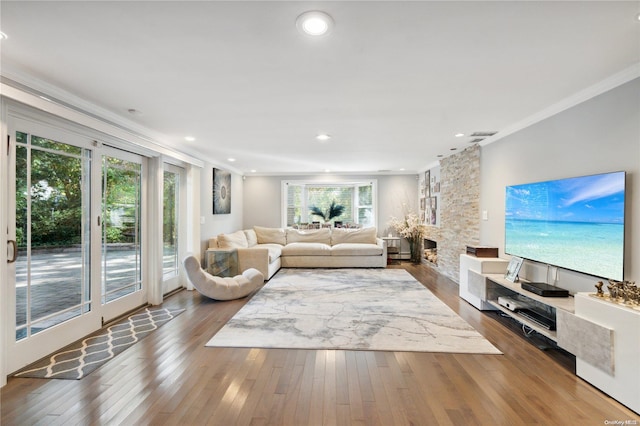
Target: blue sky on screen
<point>597,198</point>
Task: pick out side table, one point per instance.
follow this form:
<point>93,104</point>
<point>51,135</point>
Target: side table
<point>222,263</point>
<point>393,248</point>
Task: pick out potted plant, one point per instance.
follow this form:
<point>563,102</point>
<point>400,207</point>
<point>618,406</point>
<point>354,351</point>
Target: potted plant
<point>335,210</point>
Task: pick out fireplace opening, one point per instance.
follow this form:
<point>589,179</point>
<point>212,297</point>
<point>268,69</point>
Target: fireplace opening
<point>431,251</point>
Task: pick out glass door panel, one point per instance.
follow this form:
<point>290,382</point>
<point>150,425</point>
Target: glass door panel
<point>170,224</point>
<point>52,280</point>
<point>121,228</point>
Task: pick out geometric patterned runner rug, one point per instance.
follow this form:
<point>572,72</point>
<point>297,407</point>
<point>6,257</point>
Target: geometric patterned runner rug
<point>349,309</point>
<point>84,356</point>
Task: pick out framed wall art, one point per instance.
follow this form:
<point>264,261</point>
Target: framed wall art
<point>427,185</point>
<point>221,191</point>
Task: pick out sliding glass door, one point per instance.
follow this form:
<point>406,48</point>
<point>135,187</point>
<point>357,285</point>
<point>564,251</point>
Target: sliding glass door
<point>76,228</point>
<point>52,278</point>
<point>49,211</point>
<point>121,233</point>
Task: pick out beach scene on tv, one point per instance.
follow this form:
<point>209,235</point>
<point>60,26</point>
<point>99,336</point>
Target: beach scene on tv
<point>575,223</point>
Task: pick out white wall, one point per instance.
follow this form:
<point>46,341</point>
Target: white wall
<point>215,224</point>
<point>263,204</point>
<point>597,136</point>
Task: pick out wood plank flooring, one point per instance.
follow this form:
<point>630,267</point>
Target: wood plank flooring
<point>171,378</point>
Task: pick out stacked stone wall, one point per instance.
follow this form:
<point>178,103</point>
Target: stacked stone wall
<point>459,209</point>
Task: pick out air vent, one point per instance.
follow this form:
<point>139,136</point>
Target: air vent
<point>482,134</point>
<point>384,171</point>
<point>476,140</point>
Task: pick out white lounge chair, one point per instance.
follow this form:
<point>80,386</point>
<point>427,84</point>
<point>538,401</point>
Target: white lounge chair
<point>220,288</point>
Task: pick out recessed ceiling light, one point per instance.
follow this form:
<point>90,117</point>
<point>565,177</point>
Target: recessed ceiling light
<point>314,23</point>
<point>459,135</point>
<point>453,149</point>
<point>231,160</point>
<point>323,137</point>
<point>3,36</point>
<point>402,169</point>
<point>189,138</point>
<point>327,171</point>
<point>253,170</point>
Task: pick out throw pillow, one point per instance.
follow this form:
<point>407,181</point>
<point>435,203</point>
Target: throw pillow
<point>270,235</point>
<point>309,236</point>
<point>231,241</point>
<point>252,238</point>
<point>360,236</point>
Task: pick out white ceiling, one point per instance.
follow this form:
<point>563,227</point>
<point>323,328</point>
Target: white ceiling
<point>392,83</point>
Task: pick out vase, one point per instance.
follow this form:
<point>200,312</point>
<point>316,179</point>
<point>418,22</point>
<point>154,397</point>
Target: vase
<point>415,247</point>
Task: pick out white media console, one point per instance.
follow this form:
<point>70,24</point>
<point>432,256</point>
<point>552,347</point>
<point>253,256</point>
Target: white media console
<point>604,336</point>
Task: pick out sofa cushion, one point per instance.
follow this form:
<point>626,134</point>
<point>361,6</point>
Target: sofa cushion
<point>306,249</point>
<point>309,236</point>
<point>252,238</point>
<point>275,250</point>
<point>356,249</point>
<point>361,236</point>
<point>234,240</point>
<point>270,235</point>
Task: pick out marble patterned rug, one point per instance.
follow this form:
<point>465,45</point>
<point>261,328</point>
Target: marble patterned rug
<point>349,309</point>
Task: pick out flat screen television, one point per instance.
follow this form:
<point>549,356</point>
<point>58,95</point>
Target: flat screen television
<point>575,223</point>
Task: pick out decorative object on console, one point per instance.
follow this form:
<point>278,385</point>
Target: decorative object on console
<point>413,230</point>
<point>625,293</point>
<point>599,291</point>
<point>221,191</point>
<point>482,251</point>
<point>513,269</point>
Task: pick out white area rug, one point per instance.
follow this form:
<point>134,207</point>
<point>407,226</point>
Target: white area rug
<point>350,309</point>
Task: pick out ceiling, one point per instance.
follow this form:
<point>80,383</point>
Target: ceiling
<point>393,82</point>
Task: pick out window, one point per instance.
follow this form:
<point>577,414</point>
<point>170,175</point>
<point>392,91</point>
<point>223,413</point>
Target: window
<point>306,202</point>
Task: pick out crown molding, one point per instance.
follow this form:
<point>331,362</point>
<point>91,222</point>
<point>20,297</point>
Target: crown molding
<point>584,95</point>
<point>47,97</point>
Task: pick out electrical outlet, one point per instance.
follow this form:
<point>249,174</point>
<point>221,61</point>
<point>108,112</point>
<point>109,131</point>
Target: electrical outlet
<point>485,215</point>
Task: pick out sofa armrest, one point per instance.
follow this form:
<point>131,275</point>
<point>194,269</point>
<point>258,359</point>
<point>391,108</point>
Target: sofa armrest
<point>382,243</point>
<point>255,257</point>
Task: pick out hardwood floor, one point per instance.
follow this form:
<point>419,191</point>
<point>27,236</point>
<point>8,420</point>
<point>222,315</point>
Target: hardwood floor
<point>171,378</point>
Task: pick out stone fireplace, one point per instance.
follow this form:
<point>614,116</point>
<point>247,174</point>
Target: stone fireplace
<point>431,251</point>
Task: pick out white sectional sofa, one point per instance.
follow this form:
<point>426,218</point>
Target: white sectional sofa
<point>269,249</point>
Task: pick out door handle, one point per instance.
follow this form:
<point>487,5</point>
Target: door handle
<point>15,251</point>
